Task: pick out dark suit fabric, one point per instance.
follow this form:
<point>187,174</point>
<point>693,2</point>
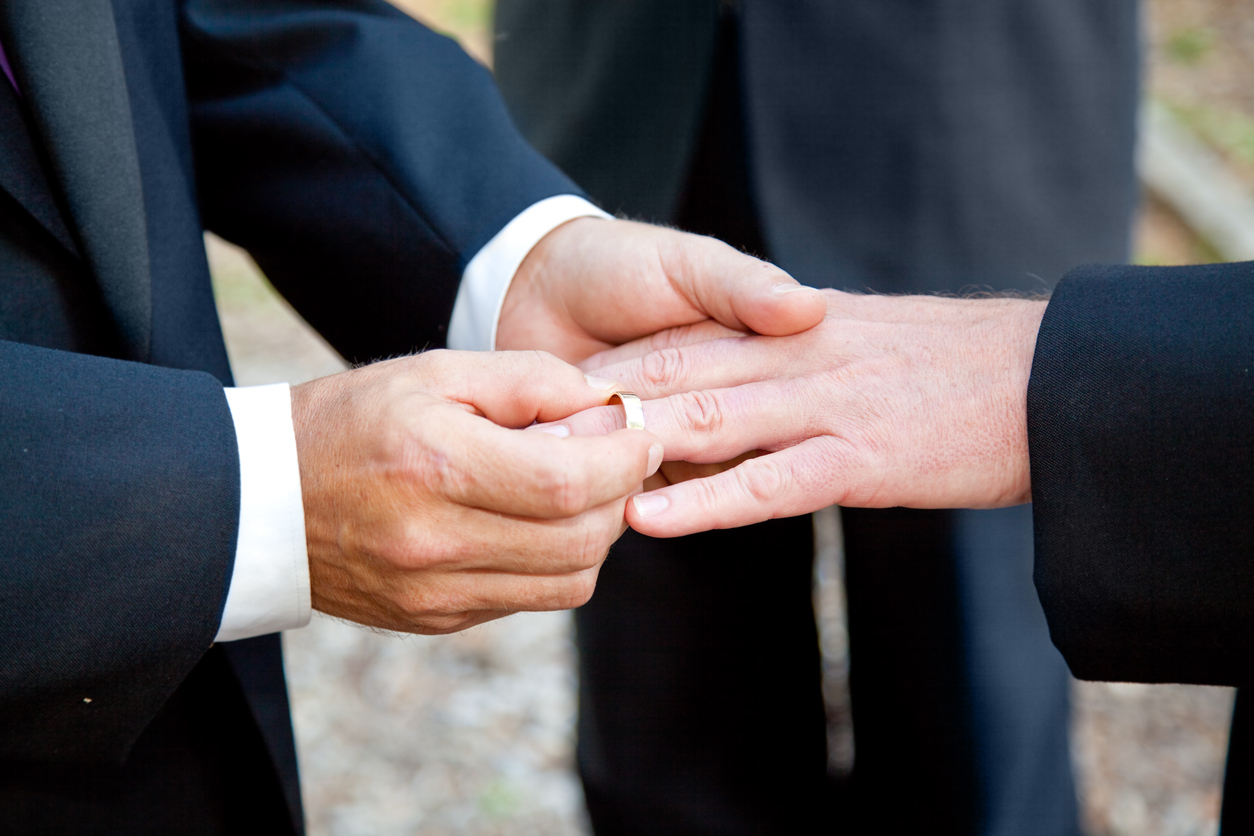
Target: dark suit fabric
<point>888,146</point>
<point>1142,447</point>
<point>364,160</point>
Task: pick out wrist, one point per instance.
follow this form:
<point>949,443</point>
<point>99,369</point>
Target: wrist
<point>1025,328</point>
<point>534,302</point>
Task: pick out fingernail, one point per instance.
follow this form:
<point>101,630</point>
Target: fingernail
<point>559,430</point>
<point>650,504</point>
<point>788,287</point>
<point>655,458</point>
<point>600,382</point>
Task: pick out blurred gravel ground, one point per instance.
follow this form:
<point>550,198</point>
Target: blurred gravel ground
<point>467,734</point>
<point>472,734</point>
<point>1150,757</point>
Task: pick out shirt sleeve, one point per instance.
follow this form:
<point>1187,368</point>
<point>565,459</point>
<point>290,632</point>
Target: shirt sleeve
<point>487,277</point>
<point>269,588</point>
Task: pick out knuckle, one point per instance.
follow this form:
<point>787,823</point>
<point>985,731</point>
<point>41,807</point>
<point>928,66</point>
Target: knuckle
<point>582,549</point>
<point>706,495</point>
<point>762,480</point>
<point>423,547</point>
<point>595,548</point>
<point>541,357</point>
<point>664,339</point>
<point>425,610</point>
<point>673,338</point>
<point>702,411</point>
<point>605,420</point>
<point>567,494</point>
<point>431,602</point>
<point>579,590</point>
<point>437,470</point>
<point>440,606</point>
<point>528,364</point>
<point>439,625</point>
<point>663,368</point>
<point>436,361</point>
<point>543,362</point>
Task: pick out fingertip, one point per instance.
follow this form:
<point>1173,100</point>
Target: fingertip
<point>653,514</point>
<point>600,384</point>
<point>650,504</point>
<point>655,451</point>
<point>655,458</point>
<point>786,307</point>
<point>632,448</point>
<point>784,288</point>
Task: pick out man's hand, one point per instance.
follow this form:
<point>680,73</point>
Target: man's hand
<point>423,515</point>
<point>591,284</point>
<point>914,401</point>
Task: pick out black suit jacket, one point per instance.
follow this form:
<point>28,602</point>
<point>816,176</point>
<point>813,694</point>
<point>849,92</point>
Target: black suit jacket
<point>1141,430</point>
<point>897,145</point>
<point>363,160</point>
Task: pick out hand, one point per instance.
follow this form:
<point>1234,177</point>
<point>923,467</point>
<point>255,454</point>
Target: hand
<point>591,284</point>
<point>423,515</point>
<point>914,401</point>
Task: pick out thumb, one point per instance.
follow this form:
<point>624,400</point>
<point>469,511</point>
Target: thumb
<point>740,291</point>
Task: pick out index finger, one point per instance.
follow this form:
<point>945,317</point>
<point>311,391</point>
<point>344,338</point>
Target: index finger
<point>812,475</point>
<point>697,332</point>
<point>714,425</point>
<point>714,364</point>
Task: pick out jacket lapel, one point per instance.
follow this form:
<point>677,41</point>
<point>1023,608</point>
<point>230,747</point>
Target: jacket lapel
<point>66,59</point>
<point>21,174</point>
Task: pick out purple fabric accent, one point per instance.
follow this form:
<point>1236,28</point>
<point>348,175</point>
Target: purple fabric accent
<point>8,71</point>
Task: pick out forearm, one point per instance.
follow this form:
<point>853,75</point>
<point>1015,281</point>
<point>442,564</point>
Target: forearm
<point>369,234</point>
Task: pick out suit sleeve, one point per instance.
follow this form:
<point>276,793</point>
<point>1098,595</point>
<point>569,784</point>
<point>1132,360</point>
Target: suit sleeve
<point>362,159</point>
<point>119,521</point>
<point>1141,430</point>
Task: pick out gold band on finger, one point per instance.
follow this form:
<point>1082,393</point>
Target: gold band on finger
<point>633,408</point>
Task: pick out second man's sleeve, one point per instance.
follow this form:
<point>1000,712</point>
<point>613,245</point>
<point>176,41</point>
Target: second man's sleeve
<point>1141,432</point>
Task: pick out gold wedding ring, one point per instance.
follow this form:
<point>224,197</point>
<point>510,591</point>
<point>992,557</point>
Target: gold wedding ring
<point>631,406</point>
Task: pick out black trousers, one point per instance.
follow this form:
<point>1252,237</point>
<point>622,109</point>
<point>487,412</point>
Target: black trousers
<point>700,702</point>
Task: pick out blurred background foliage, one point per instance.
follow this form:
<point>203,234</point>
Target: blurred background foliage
<point>469,21</point>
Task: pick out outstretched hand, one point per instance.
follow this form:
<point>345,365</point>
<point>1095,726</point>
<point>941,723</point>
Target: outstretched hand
<point>428,509</point>
<point>891,401</point>
<point>592,284</point>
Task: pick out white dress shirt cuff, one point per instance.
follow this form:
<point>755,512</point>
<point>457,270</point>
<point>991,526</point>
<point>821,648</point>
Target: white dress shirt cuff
<point>486,280</point>
<point>269,588</point>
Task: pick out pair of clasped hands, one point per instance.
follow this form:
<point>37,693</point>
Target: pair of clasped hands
<point>449,488</point>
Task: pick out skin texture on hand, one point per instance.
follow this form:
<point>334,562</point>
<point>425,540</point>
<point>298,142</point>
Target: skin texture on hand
<point>592,284</point>
<point>913,401</point>
<point>428,509</point>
